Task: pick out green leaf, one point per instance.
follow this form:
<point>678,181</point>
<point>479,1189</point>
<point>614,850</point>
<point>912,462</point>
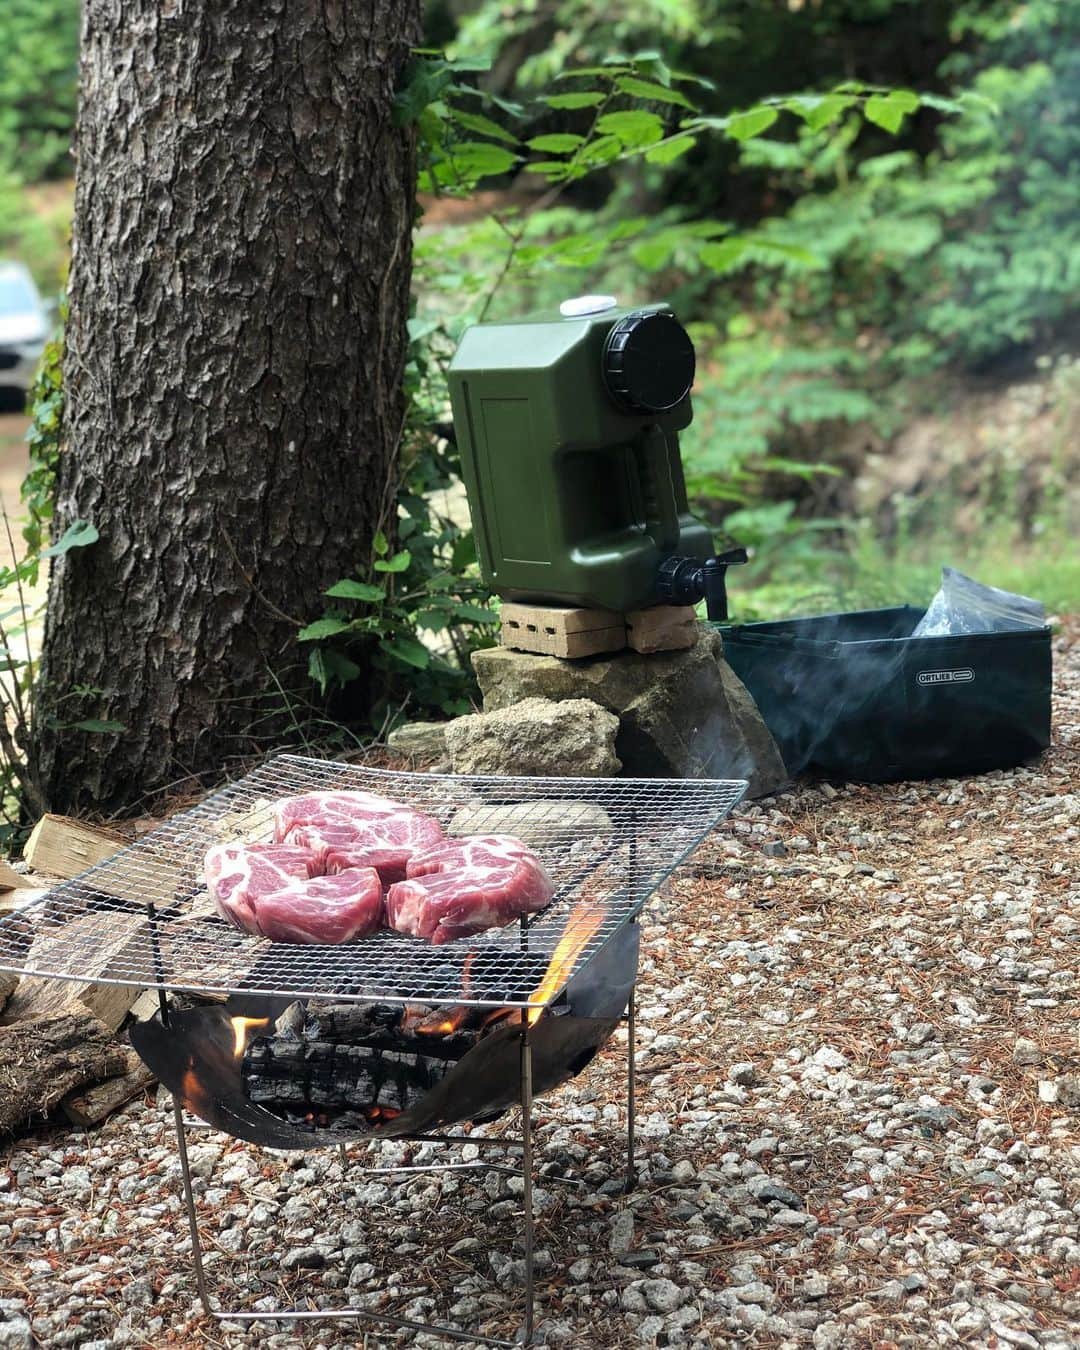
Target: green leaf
<point>889,110</point>
<point>601,151</point>
<point>379,546</point>
<point>463,552</point>
<point>660,93</point>
<point>322,628</point>
<point>474,613</point>
<point>96,724</point>
<point>753,122</point>
<point>571,101</point>
<point>77,535</point>
<point>481,159</point>
<point>398,563</point>
<point>557,143</point>
<point>668,151</point>
<point>818,110</point>
<point>356,590</point>
<point>316,669</point>
<point>484,126</point>
<point>473,65</point>
<point>720,257</point>
<point>340,666</point>
<point>634,129</point>
<point>408,651</point>
<point>579,72</point>
<point>422,328</point>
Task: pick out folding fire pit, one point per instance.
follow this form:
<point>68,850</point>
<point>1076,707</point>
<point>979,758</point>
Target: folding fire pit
<point>297,1047</point>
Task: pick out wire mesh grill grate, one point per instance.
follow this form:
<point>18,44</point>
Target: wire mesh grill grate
<point>143,917</point>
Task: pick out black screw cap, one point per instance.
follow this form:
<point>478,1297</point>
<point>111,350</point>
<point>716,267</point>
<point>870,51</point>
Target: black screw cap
<point>648,362</point>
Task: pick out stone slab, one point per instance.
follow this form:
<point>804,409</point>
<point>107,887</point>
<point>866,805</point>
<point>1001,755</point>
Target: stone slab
<point>536,737</point>
<point>682,714</point>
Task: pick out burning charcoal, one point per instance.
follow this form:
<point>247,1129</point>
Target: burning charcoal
<point>292,1021</point>
<point>358,1091</point>
<point>289,1054</point>
<point>257,1056</point>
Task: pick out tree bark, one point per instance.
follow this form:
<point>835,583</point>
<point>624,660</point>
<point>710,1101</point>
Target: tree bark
<point>235,345</point>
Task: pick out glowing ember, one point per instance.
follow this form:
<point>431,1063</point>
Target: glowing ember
<point>444,1021</point>
<point>241,1030</point>
<point>466,974</point>
<point>443,1028</point>
<point>585,918</point>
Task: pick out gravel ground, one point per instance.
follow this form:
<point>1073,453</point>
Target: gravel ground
<point>859,1075</point>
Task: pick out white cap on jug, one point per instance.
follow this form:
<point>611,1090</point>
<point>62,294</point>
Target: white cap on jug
<point>586,304</point>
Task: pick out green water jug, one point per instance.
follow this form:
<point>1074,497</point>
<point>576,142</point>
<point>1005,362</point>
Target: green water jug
<point>568,425</point>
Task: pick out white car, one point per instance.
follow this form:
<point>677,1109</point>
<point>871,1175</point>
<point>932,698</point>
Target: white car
<point>24,327</point>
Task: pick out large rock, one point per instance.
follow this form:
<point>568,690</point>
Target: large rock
<point>536,736</point>
<point>421,742</point>
<point>682,714</point>
<point>542,823</point>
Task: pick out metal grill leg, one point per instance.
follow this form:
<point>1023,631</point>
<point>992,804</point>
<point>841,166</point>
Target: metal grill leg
<point>300,1315</point>
<point>189,1202</point>
<point>631,1103</point>
<point>527,1176</point>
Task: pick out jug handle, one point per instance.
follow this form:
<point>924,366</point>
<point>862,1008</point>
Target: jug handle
<point>657,489</point>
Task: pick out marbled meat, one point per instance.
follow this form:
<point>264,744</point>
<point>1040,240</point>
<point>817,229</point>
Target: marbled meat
<point>274,891</point>
<point>341,810</point>
<point>462,886</point>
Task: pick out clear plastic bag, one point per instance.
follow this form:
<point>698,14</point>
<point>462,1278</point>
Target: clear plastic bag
<point>963,606</point>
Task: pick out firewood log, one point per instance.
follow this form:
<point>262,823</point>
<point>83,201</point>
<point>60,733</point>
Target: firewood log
<point>44,1058</point>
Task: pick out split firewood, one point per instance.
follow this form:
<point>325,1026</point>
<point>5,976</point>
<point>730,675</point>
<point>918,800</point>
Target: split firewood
<point>37,996</point>
<point>18,899</point>
<point>66,847</point>
<point>10,880</point>
<point>42,1059</point>
<point>90,1106</point>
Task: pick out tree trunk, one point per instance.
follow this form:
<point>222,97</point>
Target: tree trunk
<point>236,339</point>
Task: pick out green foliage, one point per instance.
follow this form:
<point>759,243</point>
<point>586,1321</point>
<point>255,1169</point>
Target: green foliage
<point>620,111</point>
<point>45,439</point>
<point>33,231</point>
<point>39,52</point>
<point>414,614</point>
<point>19,792</point>
<point>974,250</point>
<point>634,108</point>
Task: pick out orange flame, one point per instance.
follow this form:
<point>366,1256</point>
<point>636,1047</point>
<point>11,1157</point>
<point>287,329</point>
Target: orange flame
<point>242,1029</point>
<point>585,918</point>
<point>445,1021</point>
<point>466,974</point>
<point>192,1093</point>
<point>443,1028</point>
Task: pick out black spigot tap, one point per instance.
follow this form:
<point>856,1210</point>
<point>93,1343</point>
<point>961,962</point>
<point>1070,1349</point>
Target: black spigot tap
<point>685,581</point>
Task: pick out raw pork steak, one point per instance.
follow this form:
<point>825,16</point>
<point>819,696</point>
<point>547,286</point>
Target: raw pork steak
<point>324,809</point>
<point>462,886</point>
<point>323,909</point>
<point>356,829</point>
<point>273,890</point>
<point>386,843</point>
<point>238,874</point>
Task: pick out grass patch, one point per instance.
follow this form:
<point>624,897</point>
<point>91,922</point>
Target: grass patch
<point>870,575</point>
